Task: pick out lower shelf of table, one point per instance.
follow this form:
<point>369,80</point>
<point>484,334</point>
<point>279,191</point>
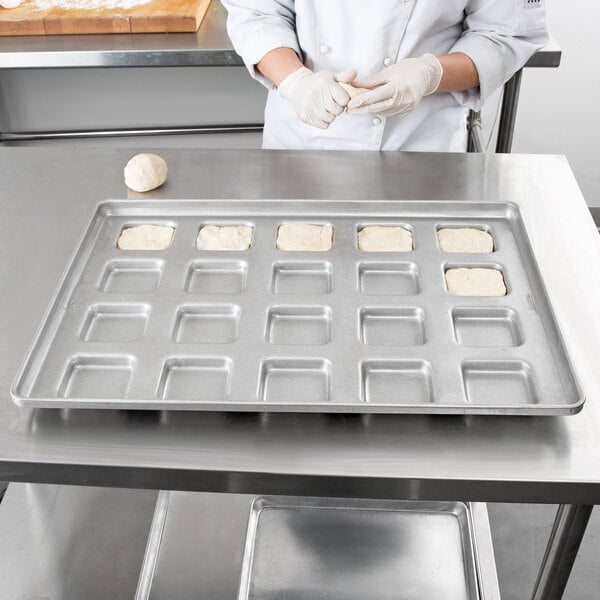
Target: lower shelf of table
<point>176,545</point>
<point>200,544</point>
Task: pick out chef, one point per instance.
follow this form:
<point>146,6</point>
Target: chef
<point>423,64</point>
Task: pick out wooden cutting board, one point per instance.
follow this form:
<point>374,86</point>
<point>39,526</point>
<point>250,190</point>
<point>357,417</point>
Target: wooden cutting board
<point>154,16</point>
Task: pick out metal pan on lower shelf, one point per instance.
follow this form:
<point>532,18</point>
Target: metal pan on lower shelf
<point>300,548</point>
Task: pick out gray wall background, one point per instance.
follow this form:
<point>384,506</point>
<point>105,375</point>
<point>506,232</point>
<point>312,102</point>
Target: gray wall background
<point>559,110</point>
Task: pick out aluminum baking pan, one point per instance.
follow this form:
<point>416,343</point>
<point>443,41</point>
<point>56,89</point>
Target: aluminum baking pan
<point>266,330</point>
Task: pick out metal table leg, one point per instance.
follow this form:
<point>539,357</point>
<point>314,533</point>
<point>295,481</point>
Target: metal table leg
<point>475,140</point>
<point>508,114</point>
<point>567,533</point>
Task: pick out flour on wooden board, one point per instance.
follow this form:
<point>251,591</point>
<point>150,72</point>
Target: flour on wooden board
<point>88,4</point>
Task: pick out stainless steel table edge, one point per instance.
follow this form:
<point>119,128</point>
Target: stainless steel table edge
<point>299,484</point>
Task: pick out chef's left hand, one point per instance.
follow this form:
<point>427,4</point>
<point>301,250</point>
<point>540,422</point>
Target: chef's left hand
<point>398,89</point>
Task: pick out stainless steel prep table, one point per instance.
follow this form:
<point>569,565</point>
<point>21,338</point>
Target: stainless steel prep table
<point>48,197</point>
<point>208,47</point>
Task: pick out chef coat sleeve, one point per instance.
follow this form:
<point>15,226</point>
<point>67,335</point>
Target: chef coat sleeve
<point>258,26</point>
<point>499,36</point>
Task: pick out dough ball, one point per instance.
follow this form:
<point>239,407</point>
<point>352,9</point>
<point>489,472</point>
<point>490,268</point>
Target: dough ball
<point>146,237</point>
<point>385,239</point>
<point>354,91</point>
<point>228,237</point>
<point>475,282</point>
<point>10,3</point>
<point>301,237</point>
<point>466,239</point>
<point>145,172</point>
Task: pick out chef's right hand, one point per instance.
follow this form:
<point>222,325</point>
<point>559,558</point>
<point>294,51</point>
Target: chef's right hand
<point>317,97</point>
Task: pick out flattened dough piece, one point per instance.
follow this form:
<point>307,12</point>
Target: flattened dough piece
<point>302,237</point>
<point>145,172</point>
<point>475,282</point>
<point>146,237</point>
<point>226,237</point>
<point>354,91</point>
<point>465,239</point>
<point>385,239</point>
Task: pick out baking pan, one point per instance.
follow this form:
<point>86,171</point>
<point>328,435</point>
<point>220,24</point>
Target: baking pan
<point>230,546</point>
<point>266,330</point>
<point>307,548</point>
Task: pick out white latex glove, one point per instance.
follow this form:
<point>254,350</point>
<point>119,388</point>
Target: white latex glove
<point>318,98</point>
<point>398,89</point>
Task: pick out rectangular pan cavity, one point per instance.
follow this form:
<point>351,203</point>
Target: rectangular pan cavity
<point>131,276</point>
<point>391,381</point>
<point>207,324</point>
<point>388,279</point>
<point>499,382</point>
<point>216,277</point>
<point>96,376</point>
<point>487,327</point>
<point>302,278</point>
<point>406,226</point>
<point>391,326</point>
<point>115,323</point>
<point>482,227</point>
<point>299,325</point>
<point>195,379</point>
<point>476,265</point>
<point>295,381</point>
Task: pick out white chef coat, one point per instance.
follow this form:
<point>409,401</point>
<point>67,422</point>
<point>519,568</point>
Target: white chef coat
<point>498,35</point>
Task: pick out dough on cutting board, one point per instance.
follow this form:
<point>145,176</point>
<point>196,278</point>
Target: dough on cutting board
<point>145,172</point>
<point>465,239</point>
<point>146,237</point>
<point>299,237</point>
<point>354,91</point>
<point>475,282</point>
<point>376,238</point>
<point>228,237</point>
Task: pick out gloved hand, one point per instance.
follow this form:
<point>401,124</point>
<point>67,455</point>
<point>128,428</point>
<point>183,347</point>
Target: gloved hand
<point>398,89</point>
<point>317,97</point>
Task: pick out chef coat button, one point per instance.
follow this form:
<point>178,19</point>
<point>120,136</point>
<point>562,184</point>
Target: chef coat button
<point>376,121</point>
<point>324,48</point>
<point>387,61</point>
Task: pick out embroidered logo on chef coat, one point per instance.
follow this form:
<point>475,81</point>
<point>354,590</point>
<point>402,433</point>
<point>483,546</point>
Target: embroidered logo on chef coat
<point>533,3</point>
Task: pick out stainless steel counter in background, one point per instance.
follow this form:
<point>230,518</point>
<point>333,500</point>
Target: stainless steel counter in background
<point>67,88</point>
<point>209,46</point>
<point>48,196</point>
